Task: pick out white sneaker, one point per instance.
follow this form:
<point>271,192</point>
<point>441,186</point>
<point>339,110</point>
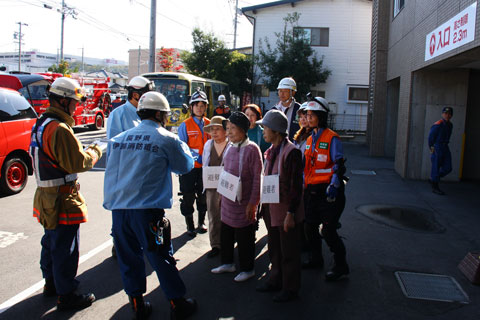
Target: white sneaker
<point>244,276</point>
<point>224,268</point>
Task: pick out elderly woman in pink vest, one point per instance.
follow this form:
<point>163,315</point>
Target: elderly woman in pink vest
<point>282,198</point>
<point>239,186</point>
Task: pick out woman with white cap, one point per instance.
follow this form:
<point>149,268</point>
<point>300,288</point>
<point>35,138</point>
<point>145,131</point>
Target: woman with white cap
<point>213,153</point>
<point>283,216</point>
<point>243,161</point>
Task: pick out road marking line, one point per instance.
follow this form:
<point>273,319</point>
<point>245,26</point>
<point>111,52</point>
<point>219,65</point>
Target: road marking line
<point>37,286</point>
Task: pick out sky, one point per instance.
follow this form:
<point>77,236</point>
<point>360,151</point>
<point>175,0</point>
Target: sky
<point>107,29</point>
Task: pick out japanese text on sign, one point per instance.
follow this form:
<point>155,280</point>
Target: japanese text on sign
<point>139,142</point>
<point>454,33</point>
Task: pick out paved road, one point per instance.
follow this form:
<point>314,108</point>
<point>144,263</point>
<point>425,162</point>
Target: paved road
<point>375,251</point>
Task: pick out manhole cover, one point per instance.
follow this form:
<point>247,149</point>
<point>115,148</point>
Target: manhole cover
<point>405,218</point>
<point>431,287</point>
<point>364,172</point>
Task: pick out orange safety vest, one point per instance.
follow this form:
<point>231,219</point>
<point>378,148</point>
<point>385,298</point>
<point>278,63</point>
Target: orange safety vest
<point>318,163</point>
<point>196,140</point>
<point>224,110</point>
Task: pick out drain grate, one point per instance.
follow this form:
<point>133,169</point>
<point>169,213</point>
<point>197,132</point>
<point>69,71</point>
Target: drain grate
<point>364,172</point>
<point>431,287</point>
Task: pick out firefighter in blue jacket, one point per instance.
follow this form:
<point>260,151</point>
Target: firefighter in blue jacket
<point>145,157</point>
<point>441,157</point>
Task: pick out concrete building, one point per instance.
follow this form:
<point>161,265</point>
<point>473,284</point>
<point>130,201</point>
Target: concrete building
<point>34,61</point>
<point>425,56</point>
<point>339,31</point>
<point>138,61</point>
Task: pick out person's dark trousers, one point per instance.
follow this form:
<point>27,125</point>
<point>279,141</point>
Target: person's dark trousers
<point>441,163</point>
<point>191,187</point>
<point>320,211</point>
<point>284,252</point>
<point>245,238</point>
<point>131,231</point>
<point>59,257</point>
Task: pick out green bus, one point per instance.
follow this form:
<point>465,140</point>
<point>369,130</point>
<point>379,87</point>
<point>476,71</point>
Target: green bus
<point>177,87</point>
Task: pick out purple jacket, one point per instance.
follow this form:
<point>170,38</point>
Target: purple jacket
<point>234,213</point>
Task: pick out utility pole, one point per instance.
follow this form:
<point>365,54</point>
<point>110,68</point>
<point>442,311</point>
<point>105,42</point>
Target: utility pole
<point>139,54</point>
<point>235,31</point>
<point>63,24</point>
<point>20,35</point>
<point>83,64</point>
<point>153,20</point>
<point>64,11</point>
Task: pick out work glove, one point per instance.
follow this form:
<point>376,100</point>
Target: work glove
<point>332,192</point>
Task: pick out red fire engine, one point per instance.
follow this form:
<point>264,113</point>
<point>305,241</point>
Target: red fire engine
<point>34,87</point>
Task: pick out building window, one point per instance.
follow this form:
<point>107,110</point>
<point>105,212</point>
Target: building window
<point>318,93</point>
<point>262,91</point>
<point>357,94</point>
<point>398,6</point>
<point>314,36</point>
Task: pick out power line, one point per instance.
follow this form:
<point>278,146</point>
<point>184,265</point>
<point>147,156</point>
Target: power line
<point>85,17</point>
<point>164,16</point>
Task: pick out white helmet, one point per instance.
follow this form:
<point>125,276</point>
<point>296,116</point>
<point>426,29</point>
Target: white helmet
<point>302,108</point>
<point>198,96</point>
<point>287,83</point>
<point>68,88</point>
<point>138,83</point>
<point>316,104</point>
<point>153,100</point>
<point>221,98</point>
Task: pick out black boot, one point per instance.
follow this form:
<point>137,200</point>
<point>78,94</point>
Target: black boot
<point>75,301</point>
<point>340,269</point>
<point>313,262</point>
<point>202,228</point>
<point>436,189</point>
<point>141,308</point>
<point>315,257</point>
<point>49,289</point>
<point>182,308</point>
<point>190,226</point>
<point>114,252</point>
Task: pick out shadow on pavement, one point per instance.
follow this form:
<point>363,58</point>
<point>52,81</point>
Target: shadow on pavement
<point>39,307</point>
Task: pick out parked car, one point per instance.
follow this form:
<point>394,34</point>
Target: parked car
<point>17,118</point>
<point>33,87</point>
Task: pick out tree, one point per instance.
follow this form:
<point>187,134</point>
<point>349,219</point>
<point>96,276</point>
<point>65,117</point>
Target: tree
<point>238,73</point>
<point>293,56</point>
<point>63,68</point>
<point>167,59</point>
<point>209,58</point>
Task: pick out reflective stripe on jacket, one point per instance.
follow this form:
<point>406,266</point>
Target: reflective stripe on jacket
<point>318,163</point>
<point>196,137</point>
<point>47,171</point>
<point>62,158</point>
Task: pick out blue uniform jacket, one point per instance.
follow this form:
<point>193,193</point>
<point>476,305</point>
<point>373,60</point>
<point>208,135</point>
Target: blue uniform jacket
<point>439,135</point>
<point>122,118</point>
<point>139,167</point>
<point>182,134</point>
